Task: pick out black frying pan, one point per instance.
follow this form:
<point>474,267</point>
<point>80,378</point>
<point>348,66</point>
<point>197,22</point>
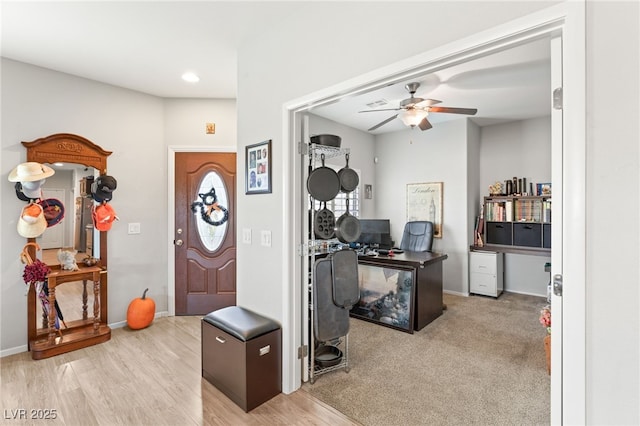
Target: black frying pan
<point>347,227</point>
<point>327,140</point>
<point>349,179</point>
<point>323,183</point>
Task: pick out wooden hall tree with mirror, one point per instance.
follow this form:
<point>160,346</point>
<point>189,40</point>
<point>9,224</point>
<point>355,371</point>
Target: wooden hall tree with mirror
<point>90,330</point>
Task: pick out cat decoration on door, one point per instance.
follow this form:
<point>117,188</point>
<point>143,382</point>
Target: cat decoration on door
<point>210,211</point>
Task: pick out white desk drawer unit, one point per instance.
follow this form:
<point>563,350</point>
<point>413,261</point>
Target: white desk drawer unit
<point>486,274</point>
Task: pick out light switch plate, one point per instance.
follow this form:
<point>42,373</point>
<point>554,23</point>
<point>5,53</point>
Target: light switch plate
<point>246,235</point>
<point>134,228</point>
<point>266,238</point>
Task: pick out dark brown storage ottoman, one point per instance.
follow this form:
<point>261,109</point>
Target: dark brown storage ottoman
<point>241,355</point>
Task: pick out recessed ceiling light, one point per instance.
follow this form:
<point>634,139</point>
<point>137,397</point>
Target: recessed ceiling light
<point>190,77</point>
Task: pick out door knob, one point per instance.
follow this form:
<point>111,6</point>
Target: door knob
<point>178,242</point>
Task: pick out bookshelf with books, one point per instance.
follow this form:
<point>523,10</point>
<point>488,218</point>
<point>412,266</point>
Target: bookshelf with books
<point>516,223</point>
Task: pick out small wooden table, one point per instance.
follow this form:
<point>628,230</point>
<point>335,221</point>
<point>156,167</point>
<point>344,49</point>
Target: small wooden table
<point>77,334</point>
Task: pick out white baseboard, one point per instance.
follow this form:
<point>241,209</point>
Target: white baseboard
<point>456,293</point>
<point>13,351</point>
<point>507,290</point>
<point>119,324</point>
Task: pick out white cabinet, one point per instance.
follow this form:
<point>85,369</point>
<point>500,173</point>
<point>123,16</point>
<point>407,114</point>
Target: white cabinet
<point>486,274</point>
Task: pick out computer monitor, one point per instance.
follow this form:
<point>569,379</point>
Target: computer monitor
<point>375,232</point>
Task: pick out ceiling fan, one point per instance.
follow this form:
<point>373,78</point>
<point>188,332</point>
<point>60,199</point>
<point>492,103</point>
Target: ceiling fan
<point>414,111</point>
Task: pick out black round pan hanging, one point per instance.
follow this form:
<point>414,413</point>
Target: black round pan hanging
<point>349,179</point>
<point>323,183</point>
<point>348,227</point>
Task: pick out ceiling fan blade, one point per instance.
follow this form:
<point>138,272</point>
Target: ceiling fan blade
<point>452,110</point>
<point>427,102</point>
<point>385,109</point>
<point>382,123</point>
<point>424,124</point>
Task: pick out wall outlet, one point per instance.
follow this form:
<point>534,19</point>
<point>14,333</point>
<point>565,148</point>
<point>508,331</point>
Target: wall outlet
<point>134,228</point>
<point>265,239</point>
<point>246,235</point>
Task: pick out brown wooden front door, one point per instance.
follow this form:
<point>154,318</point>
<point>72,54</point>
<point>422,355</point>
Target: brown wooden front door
<point>205,232</point>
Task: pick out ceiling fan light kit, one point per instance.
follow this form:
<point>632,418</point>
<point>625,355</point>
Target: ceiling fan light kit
<point>413,117</point>
<point>414,111</point>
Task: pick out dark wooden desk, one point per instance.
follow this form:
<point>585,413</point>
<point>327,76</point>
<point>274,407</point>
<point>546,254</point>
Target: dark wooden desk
<point>428,292</point>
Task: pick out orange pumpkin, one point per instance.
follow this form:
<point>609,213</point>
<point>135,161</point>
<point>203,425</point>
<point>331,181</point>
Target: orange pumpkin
<point>141,312</point>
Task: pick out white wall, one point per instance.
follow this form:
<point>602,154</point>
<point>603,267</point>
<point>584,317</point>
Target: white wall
<point>525,274</point>
<point>437,155</point>
<point>38,102</point>
<point>185,120</point>
<point>520,148</point>
<point>613,237</point>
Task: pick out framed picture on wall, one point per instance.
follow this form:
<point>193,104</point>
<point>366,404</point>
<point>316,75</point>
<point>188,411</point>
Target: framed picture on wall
<point>543,189</point>
<point>368,191</point>
<point>424,202</point>
<point>258,168</point>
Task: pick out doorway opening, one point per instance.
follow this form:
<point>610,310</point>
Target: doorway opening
<point>572,130</point>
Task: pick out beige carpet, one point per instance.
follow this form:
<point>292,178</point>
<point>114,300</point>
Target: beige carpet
<point>482,363</point>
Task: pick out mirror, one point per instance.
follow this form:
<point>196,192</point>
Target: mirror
<point>82,158</point>
<point>74,232</point>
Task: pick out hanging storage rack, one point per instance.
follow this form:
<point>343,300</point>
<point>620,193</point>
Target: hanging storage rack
<point>339,342</point>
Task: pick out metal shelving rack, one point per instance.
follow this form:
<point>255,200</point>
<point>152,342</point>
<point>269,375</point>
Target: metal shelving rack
<point>317,370</point>
<point>315,152</point>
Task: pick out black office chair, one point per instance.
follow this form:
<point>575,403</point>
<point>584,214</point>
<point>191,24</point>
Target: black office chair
<point>417,236</point>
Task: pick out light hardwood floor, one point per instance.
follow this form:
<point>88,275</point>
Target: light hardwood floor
<point>144,377</point>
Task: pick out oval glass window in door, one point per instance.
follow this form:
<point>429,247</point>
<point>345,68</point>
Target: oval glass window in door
<point>210,211</point>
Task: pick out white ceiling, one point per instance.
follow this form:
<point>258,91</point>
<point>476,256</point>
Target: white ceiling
<point>147,47</point>
<point>510,85</point>
<point>143,46</point>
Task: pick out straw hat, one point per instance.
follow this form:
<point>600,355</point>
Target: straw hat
<point>32,222</point>
<point>29,172</point>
